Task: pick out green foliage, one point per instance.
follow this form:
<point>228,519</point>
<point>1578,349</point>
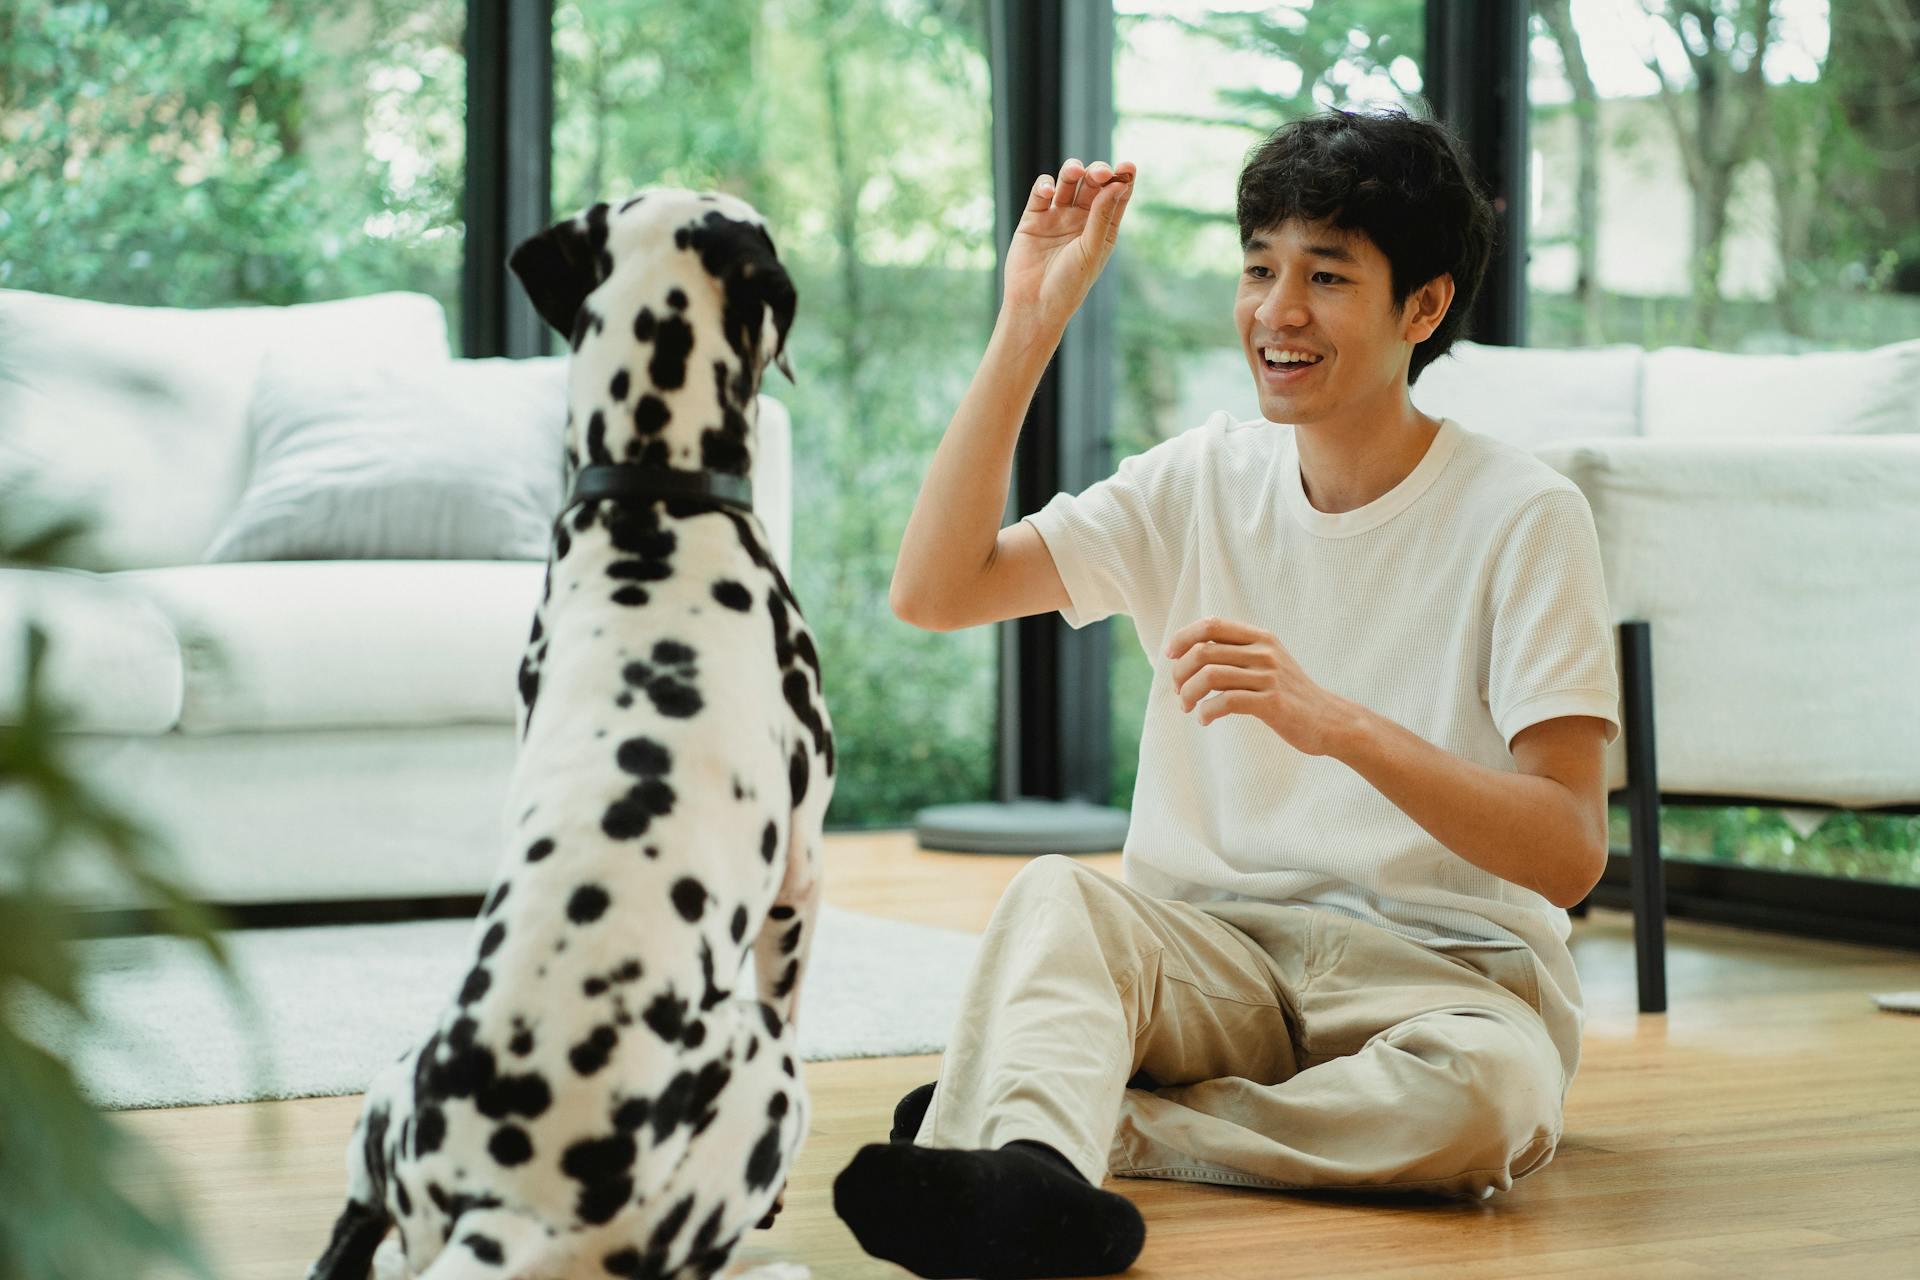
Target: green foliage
<point>66,1212</point>
<point>196,153</point>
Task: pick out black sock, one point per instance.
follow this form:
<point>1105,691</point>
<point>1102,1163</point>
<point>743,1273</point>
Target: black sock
<point>1018,1213</point>
<point>910,1111</point>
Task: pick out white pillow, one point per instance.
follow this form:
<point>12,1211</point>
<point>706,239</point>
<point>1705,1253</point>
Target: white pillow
<point>1534,396</point>
<point>459,460</point>
<point>136,416</point>
<point>1706,395</point>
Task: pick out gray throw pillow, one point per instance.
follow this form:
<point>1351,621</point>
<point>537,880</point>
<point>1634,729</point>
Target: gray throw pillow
<point>454,460</point>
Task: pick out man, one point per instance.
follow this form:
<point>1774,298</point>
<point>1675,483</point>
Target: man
<point>1371,772</point>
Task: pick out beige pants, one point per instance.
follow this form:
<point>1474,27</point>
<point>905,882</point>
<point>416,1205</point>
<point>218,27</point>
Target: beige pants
<point>1281,1046</point>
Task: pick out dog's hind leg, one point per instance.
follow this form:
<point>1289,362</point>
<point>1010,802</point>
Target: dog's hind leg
<point>497,1243</point>
<point>358,1230</point>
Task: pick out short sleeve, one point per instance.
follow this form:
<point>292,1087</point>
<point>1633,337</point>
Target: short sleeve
<point>1551,634</point>
<point>1117,544</point>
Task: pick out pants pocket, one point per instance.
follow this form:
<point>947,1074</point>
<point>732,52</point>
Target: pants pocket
<point>1509,965</point>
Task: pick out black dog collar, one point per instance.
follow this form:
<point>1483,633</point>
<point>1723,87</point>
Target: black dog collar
<point>628,480</point>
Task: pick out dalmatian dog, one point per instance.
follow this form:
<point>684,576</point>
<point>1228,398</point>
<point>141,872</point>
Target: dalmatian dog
<point>614,1089</point>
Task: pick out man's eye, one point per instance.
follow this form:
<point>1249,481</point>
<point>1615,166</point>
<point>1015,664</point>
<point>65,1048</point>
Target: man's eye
<point>1331,278</point>
<point>1252,271</point>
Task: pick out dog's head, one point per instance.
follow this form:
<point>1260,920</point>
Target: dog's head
<point>608,252</point>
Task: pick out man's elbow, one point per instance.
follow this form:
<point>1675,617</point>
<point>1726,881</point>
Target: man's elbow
<point>1585,874</point>
<point>912,612</point>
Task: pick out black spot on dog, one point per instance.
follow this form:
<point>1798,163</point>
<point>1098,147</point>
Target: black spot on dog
<point>771,1017</point>
<point>689,898</point>
<point>671,347</point>
<point>644,757</point>
<point>677,299</point>
<point>562,544</point>
<point>510,1145</point>
<point>522,1044</point>
<point>522,1095</point>
<point>429,1130</point>
<point>592,1053</point>
<point>650,415</point>
<point>780,913</point>
<point>797,774</point>
<point>666,1016</point>
<point>631,1114</point>
<point>629,970</point>
<point>499,896</point>
<point>491,943</point>
<point>787,976</point>
<point>476,985</point>
<point>485,1248</point>
<point>588,903</point>
<point>764,1164</point>
<point>672,698</point>
<point>603,1166</point>
<point>539,849</point>
<point>769,839</point>
<point>739,927</point>
<point>594,986</point>
<point>618,388</point>
<point>732,595</point>
<point>630,596</point>
<point>624,701</point>
<point>786,1063</point>
<point>643,325</point>
<point>791,939</point>
<point>597,438</point>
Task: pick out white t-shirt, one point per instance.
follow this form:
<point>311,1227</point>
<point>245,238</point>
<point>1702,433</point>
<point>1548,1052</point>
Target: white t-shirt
<point>1464,604</point>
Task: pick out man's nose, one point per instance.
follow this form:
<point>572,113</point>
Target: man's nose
<point>1284,307</point>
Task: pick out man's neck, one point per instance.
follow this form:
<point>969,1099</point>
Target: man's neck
<point>1349,462</point>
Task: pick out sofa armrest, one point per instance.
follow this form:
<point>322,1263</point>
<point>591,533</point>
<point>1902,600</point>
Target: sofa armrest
<point>113,660</point>
<point>1782,583</point>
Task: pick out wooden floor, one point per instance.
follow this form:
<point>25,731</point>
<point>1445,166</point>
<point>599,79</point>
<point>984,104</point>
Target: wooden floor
<point>1767,1125</point>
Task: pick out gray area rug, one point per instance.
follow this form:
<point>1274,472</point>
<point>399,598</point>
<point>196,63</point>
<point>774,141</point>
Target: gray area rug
<point>339,1002</point>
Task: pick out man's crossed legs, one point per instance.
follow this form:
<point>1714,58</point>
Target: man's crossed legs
<point>1105,1030</point>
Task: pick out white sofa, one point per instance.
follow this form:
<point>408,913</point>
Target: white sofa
<point>1762,514</point>
<point>294,730</point>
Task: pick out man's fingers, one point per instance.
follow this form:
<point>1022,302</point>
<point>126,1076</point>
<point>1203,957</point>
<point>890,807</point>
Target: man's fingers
<point>1071,174</point>
<point>1041,198</point>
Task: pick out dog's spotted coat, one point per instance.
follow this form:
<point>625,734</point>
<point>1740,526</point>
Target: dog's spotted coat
<point>601,1098</point>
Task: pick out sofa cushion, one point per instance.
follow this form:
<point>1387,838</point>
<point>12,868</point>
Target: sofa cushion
<point>1530,397</point>
<point>1709,395</point>
<point>455,460</point>
<point>347,644</point>
<point>112,660</point>
<point>137,415</point>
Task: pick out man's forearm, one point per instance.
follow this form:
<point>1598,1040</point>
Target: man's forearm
<point>956,519</point>
<point>1525,829</point>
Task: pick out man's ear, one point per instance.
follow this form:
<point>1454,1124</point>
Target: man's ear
<point>560,266</point>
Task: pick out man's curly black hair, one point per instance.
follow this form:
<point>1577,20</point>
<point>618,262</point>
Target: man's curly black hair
<point>1405,182</point>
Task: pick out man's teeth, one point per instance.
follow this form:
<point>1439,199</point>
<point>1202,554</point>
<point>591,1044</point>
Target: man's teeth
<point>1274,355</point>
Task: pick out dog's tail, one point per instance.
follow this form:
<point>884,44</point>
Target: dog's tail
<point>357,1232</point>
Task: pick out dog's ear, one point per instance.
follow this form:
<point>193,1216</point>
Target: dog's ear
<point>560,266</point>
<point>762,293</point>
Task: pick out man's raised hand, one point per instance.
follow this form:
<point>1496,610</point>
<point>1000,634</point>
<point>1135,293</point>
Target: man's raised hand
<point>1066,234</point>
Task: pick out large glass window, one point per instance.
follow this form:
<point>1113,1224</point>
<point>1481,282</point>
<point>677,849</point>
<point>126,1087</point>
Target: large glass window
<point>1196,86</point>
<point>1681,199</point>
<point>861,129</point>
<point>249,152</point>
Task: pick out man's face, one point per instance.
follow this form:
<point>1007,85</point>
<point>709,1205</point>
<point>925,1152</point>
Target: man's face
<point>1310,289</point>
